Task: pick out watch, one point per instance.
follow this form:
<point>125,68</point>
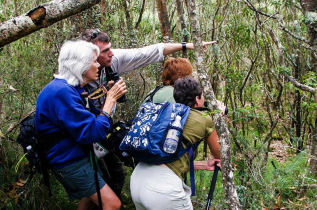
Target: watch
<point>105,114</point>
<point>184,46</point>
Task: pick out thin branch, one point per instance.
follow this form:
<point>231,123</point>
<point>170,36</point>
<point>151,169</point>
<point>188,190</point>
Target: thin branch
<point>292,34</point>
<point>257,11</point>
<point>141,14</point>
<point>300,85</point>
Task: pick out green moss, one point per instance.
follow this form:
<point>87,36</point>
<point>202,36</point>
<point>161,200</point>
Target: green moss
<point>311,17</point>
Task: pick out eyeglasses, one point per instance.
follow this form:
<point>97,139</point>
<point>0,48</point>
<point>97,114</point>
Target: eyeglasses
<point>94,34</point>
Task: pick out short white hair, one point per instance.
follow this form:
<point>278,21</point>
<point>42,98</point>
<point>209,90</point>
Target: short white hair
<point>74,60</point>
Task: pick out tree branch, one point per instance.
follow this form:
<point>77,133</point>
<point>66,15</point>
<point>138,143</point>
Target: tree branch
<point>39,17</point>
<point>257,11</point>
<point>141,14</point>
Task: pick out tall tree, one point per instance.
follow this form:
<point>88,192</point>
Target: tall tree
<point>42,16</point>
<point>309,8</point>
<point>232,199</point>
<point>164,21</point>
<point>181,18</point>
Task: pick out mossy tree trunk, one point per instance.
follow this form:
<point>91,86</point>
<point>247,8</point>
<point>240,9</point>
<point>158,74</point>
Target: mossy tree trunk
<point>309,8</point>
<point>181,19</point>
<point>232,199</point>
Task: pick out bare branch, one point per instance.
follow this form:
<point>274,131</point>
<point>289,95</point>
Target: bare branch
<point>257,11</point>
<point>300,85</point>
<point>292,34</point>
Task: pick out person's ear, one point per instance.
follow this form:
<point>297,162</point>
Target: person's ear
<point>196,101</point>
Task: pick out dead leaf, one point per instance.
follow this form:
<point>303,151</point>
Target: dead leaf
<point>276,207</point>
<point>19,184</point>
<point>1,135</point>
<point>22,181</point>
<point>278,201</point>
<point>12,88</point>
<point>262,204</point>
<point>301,199</point>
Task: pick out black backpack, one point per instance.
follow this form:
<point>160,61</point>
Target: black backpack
<point>117,132</point>
<point>30,143</point>
<point>35,148</point>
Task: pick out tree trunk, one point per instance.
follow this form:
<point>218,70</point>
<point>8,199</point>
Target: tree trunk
<point>141,14</point>
<point>313,161</point>
<point>310,11</point>
<point>103,10</point>
<point>232,199</point>
<point>164,21</point>
<point>181,18</point>
<point>42,16</point>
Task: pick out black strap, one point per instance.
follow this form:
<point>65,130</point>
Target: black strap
<point>47,141</point>
<point>184,48</point>
<point>201,109</point>
<point>212,186</point>
<point>149,97</point>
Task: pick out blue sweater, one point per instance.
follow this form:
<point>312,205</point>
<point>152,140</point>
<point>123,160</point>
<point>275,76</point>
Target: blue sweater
<point>60,108</point>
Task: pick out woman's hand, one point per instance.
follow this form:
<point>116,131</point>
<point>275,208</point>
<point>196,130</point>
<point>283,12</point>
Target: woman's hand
<point>222,107</point>
<point>117,90</point>
<point>211,164</point>
<point>207,165</point>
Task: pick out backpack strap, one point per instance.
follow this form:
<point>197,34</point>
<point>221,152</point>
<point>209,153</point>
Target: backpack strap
<point>190,149</point>
<point>149,97</point>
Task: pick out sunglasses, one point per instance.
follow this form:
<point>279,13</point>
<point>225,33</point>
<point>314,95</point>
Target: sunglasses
<point>94,34</point>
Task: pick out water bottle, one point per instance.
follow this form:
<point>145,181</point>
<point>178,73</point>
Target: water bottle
<point>172,137</point>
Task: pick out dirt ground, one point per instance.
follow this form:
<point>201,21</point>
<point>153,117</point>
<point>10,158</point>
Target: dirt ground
<point>279,151</point>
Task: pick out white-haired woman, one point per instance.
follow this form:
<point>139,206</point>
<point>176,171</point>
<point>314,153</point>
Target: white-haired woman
<point>61,109</point>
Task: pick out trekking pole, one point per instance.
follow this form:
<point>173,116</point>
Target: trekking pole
<point>94,164</point>
<point>212,186</point>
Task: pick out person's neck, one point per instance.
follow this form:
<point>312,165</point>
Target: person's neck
<point>100,68</point>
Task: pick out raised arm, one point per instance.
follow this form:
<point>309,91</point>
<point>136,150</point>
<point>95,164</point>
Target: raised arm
<point>175,47</point>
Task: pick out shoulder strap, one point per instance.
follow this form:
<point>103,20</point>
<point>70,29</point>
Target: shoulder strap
<point>151,94</point>
<point>190,150</point>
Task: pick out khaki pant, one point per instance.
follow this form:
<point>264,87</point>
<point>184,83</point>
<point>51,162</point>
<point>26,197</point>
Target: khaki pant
<point>156,187</point>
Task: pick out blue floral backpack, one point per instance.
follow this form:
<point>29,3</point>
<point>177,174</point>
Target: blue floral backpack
<point>146,137</point>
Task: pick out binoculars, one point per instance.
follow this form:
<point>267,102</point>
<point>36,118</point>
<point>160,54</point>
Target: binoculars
<point>110,75</point>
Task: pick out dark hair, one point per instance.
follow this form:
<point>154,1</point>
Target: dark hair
<point>94,35</point>
<point>175,68</point>
<point>185,91</point>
